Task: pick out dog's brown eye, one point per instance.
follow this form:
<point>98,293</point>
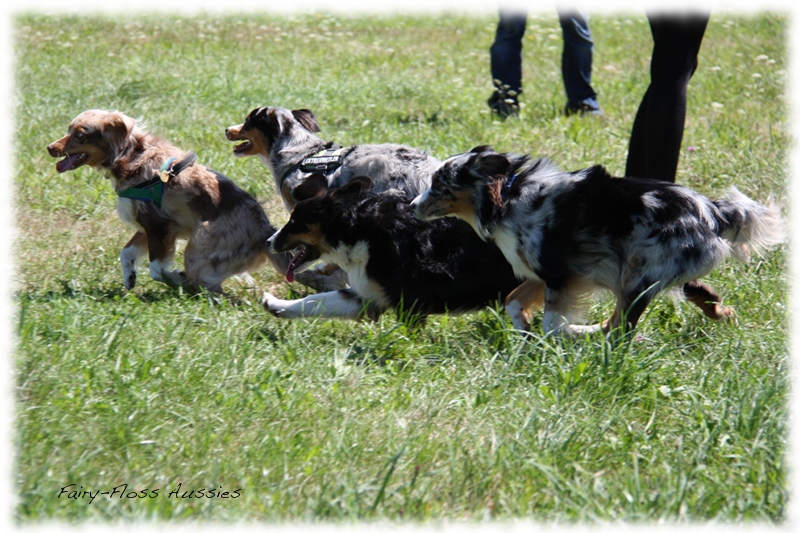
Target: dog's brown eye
<point>80,136</point>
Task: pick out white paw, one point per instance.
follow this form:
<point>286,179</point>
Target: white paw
<point>273,305</point>
<point>517,314</point>
<point>127,258</point>
<point>161,272</point>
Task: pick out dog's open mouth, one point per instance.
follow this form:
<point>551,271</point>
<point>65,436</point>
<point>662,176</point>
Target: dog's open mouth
<point>71,162</point>
<point>302,256</point>
<point>242,148</point>
<point>297,260</point>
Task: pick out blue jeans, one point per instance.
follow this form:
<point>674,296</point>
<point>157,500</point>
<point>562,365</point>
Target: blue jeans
<point>576,58</point>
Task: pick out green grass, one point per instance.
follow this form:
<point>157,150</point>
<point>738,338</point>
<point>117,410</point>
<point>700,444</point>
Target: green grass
<point>317,420</point>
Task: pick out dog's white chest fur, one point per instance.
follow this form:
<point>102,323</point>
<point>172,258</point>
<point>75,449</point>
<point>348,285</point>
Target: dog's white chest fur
<point>506,239</point>
<point>353,260</point>
<point>126,211</point>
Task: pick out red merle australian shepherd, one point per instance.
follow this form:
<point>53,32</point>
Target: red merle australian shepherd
<point>577,231</point>
<point>392,258</point>
<point>165,196</point>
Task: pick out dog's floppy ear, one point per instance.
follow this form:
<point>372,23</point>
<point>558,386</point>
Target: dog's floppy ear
<point>311,187</point>
<point>482,149</point>
<point>117,128</point>
<point>490,165</point>
<point>347,194</point>
<point>306,119</point>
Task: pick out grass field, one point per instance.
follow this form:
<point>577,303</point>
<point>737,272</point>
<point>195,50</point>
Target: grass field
<point>157,393</point>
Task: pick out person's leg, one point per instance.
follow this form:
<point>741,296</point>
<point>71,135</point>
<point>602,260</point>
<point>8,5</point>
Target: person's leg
<point>657,131</point>
<point>576,62</point>
<point>506,62</point>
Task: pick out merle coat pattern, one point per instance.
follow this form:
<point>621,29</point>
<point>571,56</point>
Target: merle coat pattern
<point>282,139</point>
<point>576,231</point>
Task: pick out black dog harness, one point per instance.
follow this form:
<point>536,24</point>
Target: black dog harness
<point>324,161</point>
<point>152,190</point>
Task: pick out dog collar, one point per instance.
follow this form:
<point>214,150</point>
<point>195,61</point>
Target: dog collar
<point>152,190</point>
<point>324,161</point>
<point>507,187</point>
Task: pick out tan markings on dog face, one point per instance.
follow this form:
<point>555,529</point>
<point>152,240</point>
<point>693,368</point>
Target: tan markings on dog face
<point>92,138</point>
<point>451,202</point>
<point>289,238</point>
<point>286,195</point>
<point>253,141</point>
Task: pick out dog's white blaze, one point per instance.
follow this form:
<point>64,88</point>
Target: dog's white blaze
<point>353,260</point>
<point>421,199</point>
<point>421,206</point>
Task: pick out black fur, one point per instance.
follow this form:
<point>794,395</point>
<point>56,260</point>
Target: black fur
<point>428,267</point>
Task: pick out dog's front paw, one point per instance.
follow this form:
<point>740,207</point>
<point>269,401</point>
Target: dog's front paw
<point>129,279</point>
<point>273,305</point>
<point>726,314</point>
<point>127,259</point>
<point>173,278</point>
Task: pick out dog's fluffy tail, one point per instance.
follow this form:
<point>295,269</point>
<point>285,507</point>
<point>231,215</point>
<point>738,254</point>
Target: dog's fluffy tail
<point>748,225</point>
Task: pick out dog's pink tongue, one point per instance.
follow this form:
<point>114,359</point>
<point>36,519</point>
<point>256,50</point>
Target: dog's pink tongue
<point>68,163</point>
<point>298,258</point>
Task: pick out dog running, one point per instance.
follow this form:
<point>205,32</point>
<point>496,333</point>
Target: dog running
<point>285,142</point>
<point>166,195</point>
<point>393,259</point>
<point>577,231</point>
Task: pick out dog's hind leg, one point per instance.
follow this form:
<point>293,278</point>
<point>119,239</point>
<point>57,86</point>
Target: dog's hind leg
<point>161,247</point>
<point>519,302</point>
<point>335,304</point>
<point>131,254</point>
<point>707,299</point>
<point>557,304</point>
<point>631,304</point>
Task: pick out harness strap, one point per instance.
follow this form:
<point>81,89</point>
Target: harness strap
<point>152,190</point>
<point>324,161</point>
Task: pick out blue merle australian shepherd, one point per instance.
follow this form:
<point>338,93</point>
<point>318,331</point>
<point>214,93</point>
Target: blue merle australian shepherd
<point>578,231</point>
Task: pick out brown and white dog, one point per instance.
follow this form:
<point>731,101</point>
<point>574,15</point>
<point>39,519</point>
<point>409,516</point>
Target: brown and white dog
<point>577,231</point>
<point>166,196</point>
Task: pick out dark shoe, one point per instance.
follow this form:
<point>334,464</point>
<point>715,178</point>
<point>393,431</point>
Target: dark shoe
<point>503,107</point>
<point>504,101</point>
<point>583,109</point>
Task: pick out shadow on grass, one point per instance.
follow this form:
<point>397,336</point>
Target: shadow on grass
<point>159,293</point>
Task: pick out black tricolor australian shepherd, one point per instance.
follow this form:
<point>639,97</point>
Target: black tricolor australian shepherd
<point>577,231</point>
<point>392,258</point>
